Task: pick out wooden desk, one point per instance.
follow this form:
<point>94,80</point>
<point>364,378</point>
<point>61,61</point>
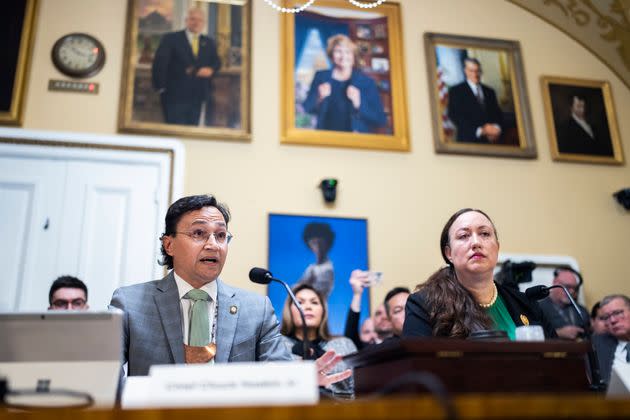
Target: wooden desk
<point>469,406</point>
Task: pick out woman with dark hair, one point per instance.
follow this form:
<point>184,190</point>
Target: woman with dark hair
<point>319,238</point>
<point>319,338</point>
<point>463,298</point>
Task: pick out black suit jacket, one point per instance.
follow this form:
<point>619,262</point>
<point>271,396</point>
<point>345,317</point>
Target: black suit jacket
<point>574,139</point>
<point>468,114</point>
<point>418,321</point>
<point>175,67</point>
<point>605,346</point>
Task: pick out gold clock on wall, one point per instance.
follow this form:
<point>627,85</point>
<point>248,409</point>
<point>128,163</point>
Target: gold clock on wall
<point>78,55</point>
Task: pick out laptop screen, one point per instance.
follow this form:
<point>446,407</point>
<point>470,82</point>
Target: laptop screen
<point>61,357</point>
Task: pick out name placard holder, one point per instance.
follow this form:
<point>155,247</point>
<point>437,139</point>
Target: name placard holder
<point>230,384</point>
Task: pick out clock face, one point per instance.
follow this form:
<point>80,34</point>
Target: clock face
<point>78,55</point>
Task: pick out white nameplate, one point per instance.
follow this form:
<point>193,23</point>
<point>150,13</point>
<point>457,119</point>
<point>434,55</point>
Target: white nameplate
<point>619,385</point>
<point>229,384</point>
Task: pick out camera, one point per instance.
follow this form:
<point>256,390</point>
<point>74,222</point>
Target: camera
<point>329,189</point>
<point>513,273</point>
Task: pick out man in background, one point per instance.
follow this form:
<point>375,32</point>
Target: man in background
<point>578,135</point>
<point>613,348</point>
<point>68,292</point>
<point>395,302</point>
<point>183,66</point>
<point>558,309</point>
<point>473,107</point>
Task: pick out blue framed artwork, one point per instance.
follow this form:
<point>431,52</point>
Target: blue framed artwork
<point>322,251</point>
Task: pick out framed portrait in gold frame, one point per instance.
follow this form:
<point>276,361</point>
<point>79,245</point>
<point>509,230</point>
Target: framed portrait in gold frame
<point>581,121</point>
<point>478,96</point>
<point>343,78</point>
<point>187,69</point>
<point>17,32</point>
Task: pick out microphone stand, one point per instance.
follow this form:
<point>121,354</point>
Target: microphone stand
<point>596,380</point>
<point>305,342</point>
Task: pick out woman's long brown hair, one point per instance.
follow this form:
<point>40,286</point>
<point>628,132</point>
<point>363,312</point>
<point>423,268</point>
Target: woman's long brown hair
<point>288,324</point>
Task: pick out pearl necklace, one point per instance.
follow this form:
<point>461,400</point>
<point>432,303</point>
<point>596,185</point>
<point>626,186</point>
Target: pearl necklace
<point>494,297</point>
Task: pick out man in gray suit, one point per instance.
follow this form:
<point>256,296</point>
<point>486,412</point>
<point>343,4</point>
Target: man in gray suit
<point>157,327</point>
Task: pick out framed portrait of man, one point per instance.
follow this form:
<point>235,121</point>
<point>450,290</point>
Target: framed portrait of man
<point>581,120</point>
<point>187,69</point>
<point>16,30</point>
<point>478,96</point>
<point>342,77</point>
<point>321,252</point>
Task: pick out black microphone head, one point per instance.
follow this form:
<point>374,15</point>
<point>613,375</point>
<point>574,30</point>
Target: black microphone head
<point>260,275</point>
<point>537,292</point>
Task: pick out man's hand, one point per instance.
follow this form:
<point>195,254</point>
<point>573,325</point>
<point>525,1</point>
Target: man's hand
<point>354,94</point>
<point>491,131</point>
<point>569,332</point>
<point>325,364</point>
<point>205,72</point>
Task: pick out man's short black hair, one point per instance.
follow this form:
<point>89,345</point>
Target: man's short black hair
<point>181,207</point>
<point>595,309</point>
<point>392,293</point>
<point>69,282</point>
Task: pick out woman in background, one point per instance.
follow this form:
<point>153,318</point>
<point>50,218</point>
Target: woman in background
<point>344,98</point>
<point>462,297</point>
<point>319,338</point>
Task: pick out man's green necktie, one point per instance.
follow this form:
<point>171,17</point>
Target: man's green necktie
<point>199,332</point>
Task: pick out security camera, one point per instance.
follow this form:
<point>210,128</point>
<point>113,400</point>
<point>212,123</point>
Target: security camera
<point>329,189</point>
<point>623,197</point>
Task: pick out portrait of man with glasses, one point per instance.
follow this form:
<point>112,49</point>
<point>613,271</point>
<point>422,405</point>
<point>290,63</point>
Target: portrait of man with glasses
<point>68,293</point>
<point>613,348</point>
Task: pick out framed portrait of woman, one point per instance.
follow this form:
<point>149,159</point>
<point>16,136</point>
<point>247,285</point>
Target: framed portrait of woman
<point>320,252</point>
<point>343,78</point>
<point>187,69</point>
<point>581,120</point>
<point>16,30</point>
<point>478,96</point>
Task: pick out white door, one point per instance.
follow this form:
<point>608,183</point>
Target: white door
<point>94,214</point>
<point>31,191</point>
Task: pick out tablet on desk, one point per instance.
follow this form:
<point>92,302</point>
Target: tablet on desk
<point>61,358</point>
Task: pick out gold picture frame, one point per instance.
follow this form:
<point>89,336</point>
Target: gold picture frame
<point>155,28</point>
<point>15,72</point>
<point>494,122</point>
<point>378,120</point>
<point>581,120</point>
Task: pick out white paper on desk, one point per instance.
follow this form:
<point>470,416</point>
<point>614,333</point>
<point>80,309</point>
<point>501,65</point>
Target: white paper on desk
<point>619,385</point>
<point>229,384</point>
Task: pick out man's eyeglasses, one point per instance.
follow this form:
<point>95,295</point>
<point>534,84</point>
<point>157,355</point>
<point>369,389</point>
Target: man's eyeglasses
<point>202,236</point>
<point>619,313</point>
<point>69,304</point>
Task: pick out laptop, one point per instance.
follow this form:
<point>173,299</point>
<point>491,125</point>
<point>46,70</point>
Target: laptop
<point>61,358</point>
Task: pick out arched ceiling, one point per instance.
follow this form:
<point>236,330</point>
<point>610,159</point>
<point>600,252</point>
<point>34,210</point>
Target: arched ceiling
<point>601,26</point>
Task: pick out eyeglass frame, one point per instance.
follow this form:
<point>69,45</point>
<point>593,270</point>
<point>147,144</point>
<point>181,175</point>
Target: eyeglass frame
<point>201,240</point>
<point>618,313</point>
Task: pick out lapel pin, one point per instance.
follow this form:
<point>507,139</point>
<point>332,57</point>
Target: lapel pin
<point>524,320</point>
<point>233,309</point>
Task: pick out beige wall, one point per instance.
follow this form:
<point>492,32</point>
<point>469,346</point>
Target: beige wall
<point>539,206</point>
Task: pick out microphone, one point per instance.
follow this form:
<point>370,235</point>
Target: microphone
<point>262,276</point>
<point>541,292</point>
